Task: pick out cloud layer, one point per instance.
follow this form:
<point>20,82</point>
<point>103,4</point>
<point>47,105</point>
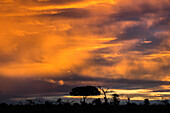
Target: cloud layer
<point>113,43</point>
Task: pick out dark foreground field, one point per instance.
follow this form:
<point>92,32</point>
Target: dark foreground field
<point>76,108</point>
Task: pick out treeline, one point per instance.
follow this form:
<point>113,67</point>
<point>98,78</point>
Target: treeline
<point>96,106</point>
<point>67,107</point>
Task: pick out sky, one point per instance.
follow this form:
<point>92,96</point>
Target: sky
<point>48,47</point>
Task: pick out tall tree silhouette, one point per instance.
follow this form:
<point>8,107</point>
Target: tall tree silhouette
<point>105,91</point>
<point>85,91</point>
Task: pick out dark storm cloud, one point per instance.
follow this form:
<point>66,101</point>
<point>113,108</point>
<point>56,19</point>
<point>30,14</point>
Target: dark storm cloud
<point>141,8</point>
<point>134,32</point>
<point>140,30</point>
<point>128,13</point>
<point>139,14</point>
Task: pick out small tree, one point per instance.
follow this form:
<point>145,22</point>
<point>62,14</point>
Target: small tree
<point>85,91</point>
<point>146,102</point>
<point>59,101</point>
<point>116,100</point>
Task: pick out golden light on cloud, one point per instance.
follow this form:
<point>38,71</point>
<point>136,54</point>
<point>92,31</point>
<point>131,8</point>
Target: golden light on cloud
<point>61,82</point>
<point>83,4</point>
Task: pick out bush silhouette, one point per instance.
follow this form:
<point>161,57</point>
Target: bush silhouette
<point>97,101</point>
<point>165,102</point>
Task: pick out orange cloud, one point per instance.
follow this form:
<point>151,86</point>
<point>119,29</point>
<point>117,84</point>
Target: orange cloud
<point>83,4</point>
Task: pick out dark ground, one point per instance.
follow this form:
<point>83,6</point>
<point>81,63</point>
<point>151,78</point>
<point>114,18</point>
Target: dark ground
<point>87,108</point>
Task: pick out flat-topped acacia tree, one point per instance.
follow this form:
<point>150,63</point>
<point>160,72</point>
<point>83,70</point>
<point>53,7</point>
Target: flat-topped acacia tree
<point>85,91</point>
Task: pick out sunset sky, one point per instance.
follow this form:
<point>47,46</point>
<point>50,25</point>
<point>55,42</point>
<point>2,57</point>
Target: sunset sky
<point>47,47</point>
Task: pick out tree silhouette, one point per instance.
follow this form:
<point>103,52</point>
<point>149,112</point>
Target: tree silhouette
<point>116,100</point>
<point>104,92</point>
<point>85,91</point>
<point>146,102</point>
<point>128,100</point>
<point>59,101</point>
